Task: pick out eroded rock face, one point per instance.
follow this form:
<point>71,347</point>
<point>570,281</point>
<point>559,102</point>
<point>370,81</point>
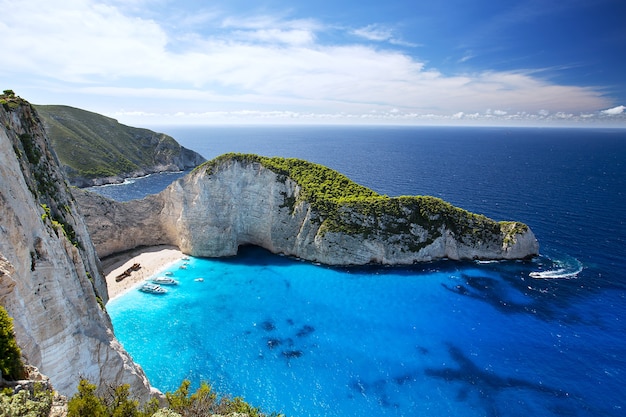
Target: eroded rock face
<point>50,277</point>
<point>211,213</point>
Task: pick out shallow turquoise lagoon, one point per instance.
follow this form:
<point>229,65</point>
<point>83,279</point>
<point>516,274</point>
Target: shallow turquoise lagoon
<point>464,339</point>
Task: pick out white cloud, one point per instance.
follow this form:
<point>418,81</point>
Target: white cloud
<point>465,58</point>
<point>265,64</point>
<point>378,33</point>
<point>374,33</point>
<point>293,37</point>
<point>615,110</point>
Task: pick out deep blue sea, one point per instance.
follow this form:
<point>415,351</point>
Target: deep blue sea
<point>439,339</point>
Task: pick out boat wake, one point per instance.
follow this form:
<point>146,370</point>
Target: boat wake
<point>560,269</point>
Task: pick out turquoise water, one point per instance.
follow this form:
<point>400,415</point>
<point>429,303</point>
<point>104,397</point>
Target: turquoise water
<point>439,339</point>
<point>445,339</point>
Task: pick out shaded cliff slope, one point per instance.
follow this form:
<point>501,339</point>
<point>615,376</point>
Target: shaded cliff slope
<point>50,277</point>
<point>96,149</point>
<point>302,209</point>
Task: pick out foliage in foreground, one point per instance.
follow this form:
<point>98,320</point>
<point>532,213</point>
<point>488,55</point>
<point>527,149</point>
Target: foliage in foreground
<point>10,356</point>
<point>118,403</point>
<point>25,403</point>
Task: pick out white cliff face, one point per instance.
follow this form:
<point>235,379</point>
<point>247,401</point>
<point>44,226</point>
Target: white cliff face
<point>50,278</point>
<point>212,213</point>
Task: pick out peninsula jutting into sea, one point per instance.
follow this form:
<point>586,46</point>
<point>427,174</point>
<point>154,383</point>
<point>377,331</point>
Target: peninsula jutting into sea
<point>287,206</point>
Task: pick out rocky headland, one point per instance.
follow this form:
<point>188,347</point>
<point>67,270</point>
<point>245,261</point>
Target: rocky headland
<point>300,209</point>
<point>94,149</point>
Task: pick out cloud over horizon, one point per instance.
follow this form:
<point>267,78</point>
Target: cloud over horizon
<point>263,63</point>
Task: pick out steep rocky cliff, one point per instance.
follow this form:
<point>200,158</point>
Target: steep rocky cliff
<point>50,278</point>
<point>296,208</point>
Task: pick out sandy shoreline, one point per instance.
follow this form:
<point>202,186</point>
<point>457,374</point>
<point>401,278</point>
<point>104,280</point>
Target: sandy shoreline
<point>151,259</point>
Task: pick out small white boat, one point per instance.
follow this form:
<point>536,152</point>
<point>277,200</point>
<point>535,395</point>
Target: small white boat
<point>169,273</point>
<point>152,288</point>
<point>164,281</point>
<point>199,279</point>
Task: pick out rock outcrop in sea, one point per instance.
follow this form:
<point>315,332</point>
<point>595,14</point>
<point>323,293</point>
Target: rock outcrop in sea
<point>50,276</point>
<point>300,209</point>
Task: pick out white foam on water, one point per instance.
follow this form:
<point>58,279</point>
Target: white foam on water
<point>563,269</point>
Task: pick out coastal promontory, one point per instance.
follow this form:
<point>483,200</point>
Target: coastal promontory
<point>301,209</point>
<point>94,149</point>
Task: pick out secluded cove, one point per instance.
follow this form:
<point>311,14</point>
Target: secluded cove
<point>490,339</point>
<point>315,341</point>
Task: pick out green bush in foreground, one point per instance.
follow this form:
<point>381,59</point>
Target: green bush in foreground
<point>118,403</point>
<point>26,404</point>
<point>10,356</point>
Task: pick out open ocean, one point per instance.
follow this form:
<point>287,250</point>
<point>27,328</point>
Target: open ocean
<point>440,339</point>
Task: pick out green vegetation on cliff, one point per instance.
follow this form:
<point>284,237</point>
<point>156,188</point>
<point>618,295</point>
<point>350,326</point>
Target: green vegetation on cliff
<point>10,356</point>
<point>345,206</point>
<point>90,145</point>
<point>181,403</point>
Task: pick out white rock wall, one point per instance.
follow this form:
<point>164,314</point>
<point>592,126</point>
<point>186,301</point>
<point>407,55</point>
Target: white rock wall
<point>211,215</point>
<point>48,285</point>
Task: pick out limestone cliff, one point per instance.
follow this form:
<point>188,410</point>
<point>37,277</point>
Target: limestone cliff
<point>50,277</point>
<point>301,209</point>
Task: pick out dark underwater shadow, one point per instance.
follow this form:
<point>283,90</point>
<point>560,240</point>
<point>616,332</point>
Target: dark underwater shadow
<point>487,386</point>
<point>514,292</point>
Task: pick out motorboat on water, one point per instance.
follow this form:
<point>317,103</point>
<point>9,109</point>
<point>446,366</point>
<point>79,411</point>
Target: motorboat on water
<point>152,288</point>
<point>164,281</point>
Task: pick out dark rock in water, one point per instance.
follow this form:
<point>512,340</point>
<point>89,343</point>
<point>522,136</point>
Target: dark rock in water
<point>290,322</point>
<point>461,289</point>
<point>268,325</point>
<point>473,378</point>
<point>292,353</point>
<point>482,283</point>
<point>403,379</point>
<point>422,350</point>
<point>305,331</point>
<point>272,343</point>
<point>358,386</point>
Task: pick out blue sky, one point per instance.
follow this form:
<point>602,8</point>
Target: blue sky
<point>147,62</point>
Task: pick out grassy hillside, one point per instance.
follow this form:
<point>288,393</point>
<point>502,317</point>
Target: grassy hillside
<point>90,145</point>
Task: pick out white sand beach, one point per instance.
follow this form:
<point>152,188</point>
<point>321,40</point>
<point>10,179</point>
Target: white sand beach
<point>152,260</point>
